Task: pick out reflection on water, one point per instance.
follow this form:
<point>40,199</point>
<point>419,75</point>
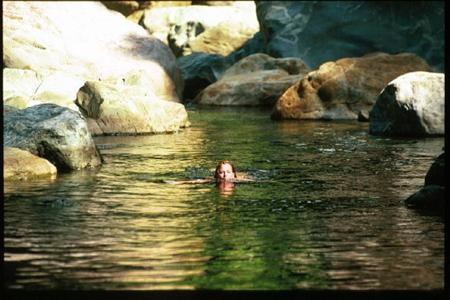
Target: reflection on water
<point>226,188</point>
<point>326,212</point>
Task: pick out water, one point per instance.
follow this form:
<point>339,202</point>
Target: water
<point>326,212</point>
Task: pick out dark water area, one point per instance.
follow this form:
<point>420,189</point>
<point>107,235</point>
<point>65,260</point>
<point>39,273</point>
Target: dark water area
<point>326,212</point>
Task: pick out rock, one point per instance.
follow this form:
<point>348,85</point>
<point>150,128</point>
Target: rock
<point>263,62</point>
<point>9,108</point>
<point>436,173</point>
<point>255,80</point>
<point>160,21</point>
<point>137,15</point>
<point>201,69</point>
<point>126,8</point>
<point>213,3</point>
<point>22,165</point>
<point>20,83</point>
<point>25,88</point>
<point>55,133</point>
<point>180,36</point>
<point>223,39</point>
<point>411,105</point>
<point>124,109</point>
<point>430,197</point>
<point>363,116</point>
<point>318,32</point>
<point>258,89</point>
<point>86,40</point>
<point>341,89</point>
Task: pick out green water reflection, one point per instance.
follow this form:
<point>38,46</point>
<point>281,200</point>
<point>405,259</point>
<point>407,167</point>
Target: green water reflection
<point>326,212</point>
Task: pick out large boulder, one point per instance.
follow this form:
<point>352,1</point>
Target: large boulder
<point>87,40</point>
<point>320,31</point>
<point>55,133</point>
<point>188,29</point>
<point>411,105</point>
<point>255,80</point>
<point>345,88</point>
<point>223,39</point>
<point>123,108</point>
<point>22,165</point>
<point>25,88</point>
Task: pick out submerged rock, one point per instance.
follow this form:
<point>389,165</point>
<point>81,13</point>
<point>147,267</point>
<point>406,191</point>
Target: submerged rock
<point>55,133</point>
<point>342,89</point>
<point>431,197</point>
<point>411,105</point>
<point>22,165</point>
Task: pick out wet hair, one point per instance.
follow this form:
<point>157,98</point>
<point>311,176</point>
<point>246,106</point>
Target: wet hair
<point>224,162</point>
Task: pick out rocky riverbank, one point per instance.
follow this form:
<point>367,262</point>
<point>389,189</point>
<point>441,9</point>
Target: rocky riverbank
<point>128,67</point>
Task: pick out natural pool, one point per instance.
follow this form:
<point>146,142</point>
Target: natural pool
<point>326,212</point>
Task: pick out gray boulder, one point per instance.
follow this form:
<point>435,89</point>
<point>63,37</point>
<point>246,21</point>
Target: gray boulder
<point>55,133</point>
<point>413,104</point>
<point>320,31</point>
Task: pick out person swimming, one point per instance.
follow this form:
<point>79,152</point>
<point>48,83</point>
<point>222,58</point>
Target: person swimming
<point>224,173</point>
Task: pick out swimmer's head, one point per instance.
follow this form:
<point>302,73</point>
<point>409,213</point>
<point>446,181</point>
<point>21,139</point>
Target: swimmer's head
<point>225,171</point>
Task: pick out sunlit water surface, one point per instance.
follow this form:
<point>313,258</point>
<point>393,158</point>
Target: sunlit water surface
<point>326,212</point>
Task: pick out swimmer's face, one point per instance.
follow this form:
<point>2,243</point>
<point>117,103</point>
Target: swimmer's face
<point>225,172</point>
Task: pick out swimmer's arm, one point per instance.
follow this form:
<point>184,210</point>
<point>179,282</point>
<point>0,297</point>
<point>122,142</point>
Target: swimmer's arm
<point>245,179</point>
<point>188,181</point>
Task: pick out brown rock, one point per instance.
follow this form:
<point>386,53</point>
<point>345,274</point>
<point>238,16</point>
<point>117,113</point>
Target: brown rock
<point>255,80</point>
<point>22,165</point>
<point>341,89</point>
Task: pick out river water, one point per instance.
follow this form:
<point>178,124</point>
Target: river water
<point>325,211</point>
